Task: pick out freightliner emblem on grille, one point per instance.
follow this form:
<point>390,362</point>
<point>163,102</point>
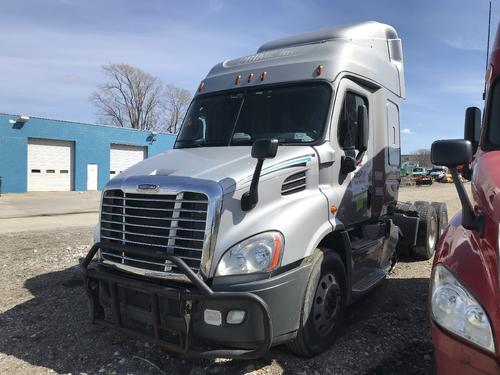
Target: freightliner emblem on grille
<point>148,187</point>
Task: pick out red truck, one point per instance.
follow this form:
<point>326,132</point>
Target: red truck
<point>465,282</point>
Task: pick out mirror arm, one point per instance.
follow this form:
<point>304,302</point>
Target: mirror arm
<point>360,155</point>
<point>467,172</point>
<point>251,197</point>
<point>470,220</point>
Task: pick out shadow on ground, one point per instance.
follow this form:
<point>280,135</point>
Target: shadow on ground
<point>386,332</point>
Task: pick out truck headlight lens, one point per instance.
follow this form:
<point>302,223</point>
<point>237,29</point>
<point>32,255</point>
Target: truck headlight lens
<point>259,253</point>
<point>456,310</point>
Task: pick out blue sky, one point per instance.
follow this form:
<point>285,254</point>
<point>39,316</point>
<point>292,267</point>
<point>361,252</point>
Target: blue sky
<point>52,50</point>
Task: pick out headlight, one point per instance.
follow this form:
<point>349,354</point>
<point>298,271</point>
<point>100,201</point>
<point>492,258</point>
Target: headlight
<point>256,254</point>
<point>456,310</point>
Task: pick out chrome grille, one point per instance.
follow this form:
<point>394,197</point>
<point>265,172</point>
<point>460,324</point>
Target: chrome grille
<point>160,224</point>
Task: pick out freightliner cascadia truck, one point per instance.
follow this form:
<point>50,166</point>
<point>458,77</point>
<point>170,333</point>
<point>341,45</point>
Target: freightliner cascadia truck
<point>465,282</point>
<point>276,208</point>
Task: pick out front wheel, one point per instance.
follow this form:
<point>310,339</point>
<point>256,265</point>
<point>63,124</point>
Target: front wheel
<point>323,307</point>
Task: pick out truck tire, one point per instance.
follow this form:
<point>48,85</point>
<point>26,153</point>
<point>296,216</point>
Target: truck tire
<point>427,235</point>
<point>323,306</point>
<point>442,216</point>
<point>405,206</point>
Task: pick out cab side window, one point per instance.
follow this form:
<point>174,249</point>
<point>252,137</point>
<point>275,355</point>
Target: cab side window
<point>348,129</point>
<point>493,130</point>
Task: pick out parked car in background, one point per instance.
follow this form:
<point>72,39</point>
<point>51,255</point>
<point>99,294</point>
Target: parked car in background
<point>421,176</point>
<point>407,168</point>
<point>438,172</point>
<point>447,178</point>
<point>419,171</point>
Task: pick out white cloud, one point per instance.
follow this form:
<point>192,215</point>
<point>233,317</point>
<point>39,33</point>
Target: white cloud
<point>469,44</point>
<point>467,86</point>
<point>215,6</point>
<point>407,131</point>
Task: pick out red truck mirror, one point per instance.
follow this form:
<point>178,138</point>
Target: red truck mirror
<point>453,153</point>
<point>472,127</point>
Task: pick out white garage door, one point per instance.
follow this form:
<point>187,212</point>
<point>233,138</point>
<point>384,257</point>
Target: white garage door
<point>123,157</point>
<point>50,165</point>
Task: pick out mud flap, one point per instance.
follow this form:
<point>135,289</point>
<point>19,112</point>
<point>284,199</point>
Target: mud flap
<point>388,259</point>
<point>409,228</point>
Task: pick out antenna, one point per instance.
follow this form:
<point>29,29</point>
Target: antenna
<point>487,49</point>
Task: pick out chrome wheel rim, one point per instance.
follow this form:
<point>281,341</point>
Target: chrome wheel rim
<point>432,233</point>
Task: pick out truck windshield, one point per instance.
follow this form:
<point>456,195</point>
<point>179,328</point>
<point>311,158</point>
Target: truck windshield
<point>292,114</point>
<point>493,125</point>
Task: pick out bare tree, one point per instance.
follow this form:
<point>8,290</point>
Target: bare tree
<point>130,98</point>
<point>422,157</point>
<point>176,104</point>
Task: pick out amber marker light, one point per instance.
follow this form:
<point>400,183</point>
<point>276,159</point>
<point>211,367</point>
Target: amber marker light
<point>319,70</point>
<point>250,77</point>
<point>333,209</point>
<point>237,79</point>
<point>201,86</point>
<point>263,76</point>
<point>277,252</point>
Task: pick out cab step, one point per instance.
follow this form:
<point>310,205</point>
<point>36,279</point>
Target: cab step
<point>368,282</point>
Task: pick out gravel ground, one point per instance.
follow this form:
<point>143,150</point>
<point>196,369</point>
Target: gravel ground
<point>44,326</point>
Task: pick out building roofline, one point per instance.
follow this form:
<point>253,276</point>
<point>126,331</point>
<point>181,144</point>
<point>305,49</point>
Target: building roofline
<point>82,123</point>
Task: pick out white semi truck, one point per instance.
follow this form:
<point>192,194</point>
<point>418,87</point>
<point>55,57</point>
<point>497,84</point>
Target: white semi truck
<point>276,208</point>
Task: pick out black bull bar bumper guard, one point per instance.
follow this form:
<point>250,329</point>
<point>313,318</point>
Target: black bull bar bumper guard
<point>186,297</point>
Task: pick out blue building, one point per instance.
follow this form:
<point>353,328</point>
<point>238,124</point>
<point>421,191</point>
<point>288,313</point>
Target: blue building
<point>38,154</point>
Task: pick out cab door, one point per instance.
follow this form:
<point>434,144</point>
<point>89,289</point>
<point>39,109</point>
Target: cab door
<point>353,187</point>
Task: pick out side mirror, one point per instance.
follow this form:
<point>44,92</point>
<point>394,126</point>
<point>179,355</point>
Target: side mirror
<point>351,159</point>
<point>363,129</point>
<point>261,149</point>
<point>264,148</point>
<point>451,152</point>
<point>472,127</point>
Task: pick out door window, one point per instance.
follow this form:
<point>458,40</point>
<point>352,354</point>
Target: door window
<point>348,129</point>
<point>393,133</point>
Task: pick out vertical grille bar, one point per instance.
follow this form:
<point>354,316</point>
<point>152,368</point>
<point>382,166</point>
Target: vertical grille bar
<point>123,226</point>
<point>173,231</point>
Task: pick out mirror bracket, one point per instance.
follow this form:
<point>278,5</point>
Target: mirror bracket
<point>470,220</point>
<point>348,164</point>
<point>251,197</point>
<point>262,149</point>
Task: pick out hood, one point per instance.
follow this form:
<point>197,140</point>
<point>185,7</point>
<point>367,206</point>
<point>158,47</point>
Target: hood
<point>228,166</point>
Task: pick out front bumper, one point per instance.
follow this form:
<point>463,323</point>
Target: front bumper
<point>171,314</point>
<point>453,356</point>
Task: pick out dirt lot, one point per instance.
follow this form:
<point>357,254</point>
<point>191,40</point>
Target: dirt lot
<point>44,327</point>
